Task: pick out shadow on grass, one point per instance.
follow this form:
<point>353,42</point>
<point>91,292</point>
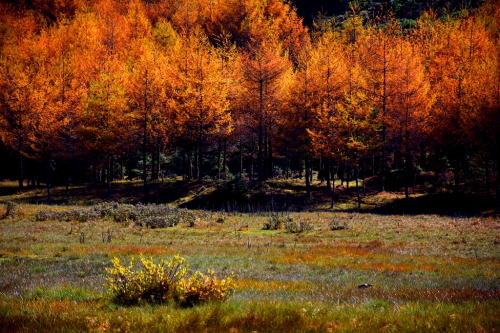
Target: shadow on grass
<point>254,196</point>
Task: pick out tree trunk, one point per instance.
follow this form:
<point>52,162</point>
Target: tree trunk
<point>144,170</point>
<point>407,168</point>
<point>224,160</point>
<point>21,170</point>
<point>183,164</point>
<point>457,186</point>
<point>153,164</point>
<point>270,159</point>
<point>196,160</point>
<point>308,179</point>
<point>266,156</point>
<point>321,177</point>
<point>158,162</point>
<point>67,178</point>
<point>241,158</point>
<point>109,175</point>
<point>190,165</point>
<point>357,187</point>
<point>287,168</point>
<point>487,174</point>
<point>498,179</point>
<point>200,158</point>
<point>261,119</point>
<point>364,178</point>
<point>383,166</point>
<point>348,178</point>
<point>218,158</point>
<point>121,167</point>
<point>48,181</point>
<point>251,166</point>
<point>326,171</point>
<point>112,167</point>
<point>373,167</point>
<point>342,173</point>
<point>333,184</point>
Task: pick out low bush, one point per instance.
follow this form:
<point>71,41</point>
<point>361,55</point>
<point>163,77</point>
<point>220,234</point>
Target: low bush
<point>160,222</point>
<point>298,227</point>
<point>206,287</point>
<point>154,283</point>
<point>156,216</point>
<point>168,280</point>
<point>336,225</point>
<point>276,223</point>
<point>220,218</point>
<point>11,209</point>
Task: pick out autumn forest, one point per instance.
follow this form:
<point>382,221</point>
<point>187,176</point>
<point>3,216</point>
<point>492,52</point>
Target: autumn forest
<point>107,90</point>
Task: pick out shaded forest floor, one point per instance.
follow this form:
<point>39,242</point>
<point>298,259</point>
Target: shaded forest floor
<point>253,196</point>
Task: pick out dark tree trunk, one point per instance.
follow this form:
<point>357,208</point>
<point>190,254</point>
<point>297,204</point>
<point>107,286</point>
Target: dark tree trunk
<point>270,159</point>
<point>67,178</point>
<point>373,167</point>
<point>196,159</point>
<point>241,158</point>
<point>190,165</point>
<point>112,167</point>
<point>200,158</point>
<point>224,160</point>
<point>48,181</point>
<point>158,162</point>
<point>183,164</point>
<point>457,186</point>
<point>357,187</point>
<point>261,119</point>
<point>266,156</point>
<point>109,175</point>
<point>364,178</point>
<point>342,173</point>
<point>153,164</point>
<point>218,158</point>
<point>308,179</point>
<point>383,167</point>
<point>121,167</point>
<point>326,171</point>
<point>348,178</point>
<point>21,170</point>
<point>251,167</point>
<point>487,174</point>
<point>321,177</point>
<point>333,184</point>
<point>498,179</point>
<point>287,168</point>
<point>144,169</point>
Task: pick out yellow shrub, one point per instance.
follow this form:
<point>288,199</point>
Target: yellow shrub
<point>200,288</point>
<point>163,281</point>
<point>154,283</point>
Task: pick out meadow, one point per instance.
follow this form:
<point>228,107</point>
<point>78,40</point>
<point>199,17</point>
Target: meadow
<point>422,272</point>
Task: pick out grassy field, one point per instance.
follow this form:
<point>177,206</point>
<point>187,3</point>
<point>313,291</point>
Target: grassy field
<point>427,272</point>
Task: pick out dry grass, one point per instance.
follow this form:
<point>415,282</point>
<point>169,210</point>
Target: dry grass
<point>428,273</point>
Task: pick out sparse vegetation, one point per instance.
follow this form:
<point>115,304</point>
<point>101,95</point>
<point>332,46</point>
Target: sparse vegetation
<point>275,222</point>
<point>151,215</point>
<point>425,272</point>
